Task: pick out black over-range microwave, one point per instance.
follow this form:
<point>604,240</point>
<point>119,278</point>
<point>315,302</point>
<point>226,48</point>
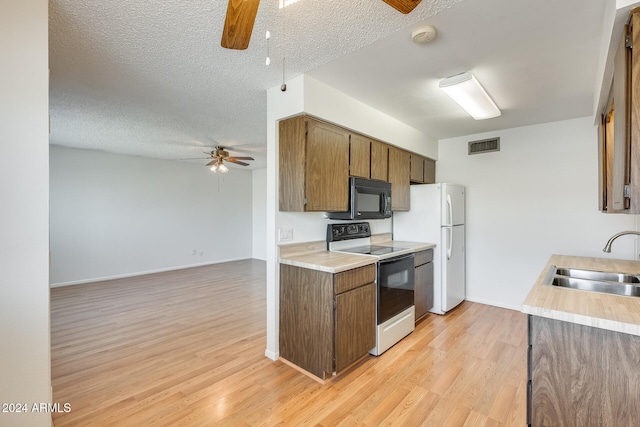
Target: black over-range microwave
<point>368,199</point>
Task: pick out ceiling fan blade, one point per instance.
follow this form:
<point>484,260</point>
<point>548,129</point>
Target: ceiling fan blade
<point>239,158</point>
<point>403,6</point>
<point>237,162</point>
<point>238,25</point>
<point>212,162</point>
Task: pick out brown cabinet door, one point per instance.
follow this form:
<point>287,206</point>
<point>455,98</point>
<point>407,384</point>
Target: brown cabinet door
<point>355,324</point>
<point>423,294</point>
<point>379,161</point>
<point>429,171</point>
<point>582,376</point>
<point>359,156</point>
<point>417,168</point>
<point>399,177</point>
<point>633,116</point>
<point>292,162</point>
<point>306,319</point>
<point>327,172</point>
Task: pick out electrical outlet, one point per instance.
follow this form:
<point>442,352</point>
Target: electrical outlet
<point>285,234</point>
<point>193,252</point>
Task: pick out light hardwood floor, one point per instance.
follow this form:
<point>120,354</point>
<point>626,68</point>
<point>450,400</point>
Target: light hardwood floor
<point>186,348</point>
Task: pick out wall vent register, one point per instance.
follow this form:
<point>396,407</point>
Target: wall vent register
<point>484,146</point>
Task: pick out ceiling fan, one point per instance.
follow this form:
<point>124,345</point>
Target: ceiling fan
<point>241,14</point>
<point>219,155</point>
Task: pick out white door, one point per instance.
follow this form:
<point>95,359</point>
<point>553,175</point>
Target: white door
<point>453,267</point>
<point>452,204</point>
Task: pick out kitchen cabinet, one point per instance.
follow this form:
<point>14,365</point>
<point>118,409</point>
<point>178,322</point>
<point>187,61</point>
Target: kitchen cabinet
<point>368,158</point>
<point>399,177</point>
<point>359,156</point>
<point>316,159</point>
<point>581,376</point>
<point>423,278</point>
<point>379,161</point>
<point>313,166</point>
<point>327,320</point>
<point>423,170</point>
<point>417,168</point>
<point>619,130</point>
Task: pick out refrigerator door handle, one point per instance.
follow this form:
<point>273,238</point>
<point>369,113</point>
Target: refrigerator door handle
<point>449,211</point>
<point>449,241</point>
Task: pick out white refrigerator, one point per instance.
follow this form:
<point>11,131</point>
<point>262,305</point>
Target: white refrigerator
<point>437,216</point>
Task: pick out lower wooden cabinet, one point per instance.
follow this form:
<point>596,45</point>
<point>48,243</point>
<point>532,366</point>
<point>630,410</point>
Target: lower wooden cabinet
<point>423,278</point>
<point>327,321</point>
<point>581,376</point>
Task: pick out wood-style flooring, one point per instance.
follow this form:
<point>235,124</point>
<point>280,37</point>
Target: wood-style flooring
<point>186,348</point>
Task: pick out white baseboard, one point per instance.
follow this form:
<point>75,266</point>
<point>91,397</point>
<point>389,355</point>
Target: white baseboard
<point>141,273</point>
<point>272,355</point>
<point>495,304</point>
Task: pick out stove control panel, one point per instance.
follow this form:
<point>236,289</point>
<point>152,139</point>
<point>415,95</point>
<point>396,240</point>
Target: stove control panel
<point>352,230</point>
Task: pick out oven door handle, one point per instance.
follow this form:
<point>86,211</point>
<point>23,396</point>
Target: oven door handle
<point>397,258</point>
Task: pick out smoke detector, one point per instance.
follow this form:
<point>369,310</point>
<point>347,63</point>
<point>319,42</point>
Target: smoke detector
<point>424,34</point>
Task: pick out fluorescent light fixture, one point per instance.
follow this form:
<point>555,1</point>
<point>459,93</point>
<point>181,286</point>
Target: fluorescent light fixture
<point>466,90</point>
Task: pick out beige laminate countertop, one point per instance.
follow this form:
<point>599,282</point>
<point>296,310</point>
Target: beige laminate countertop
<point>331,262</point>
<point>416,246</point>
<point>605,311</point>
<point>315,256</point>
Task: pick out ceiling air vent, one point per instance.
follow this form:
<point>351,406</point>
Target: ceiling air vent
<point>484,145</point>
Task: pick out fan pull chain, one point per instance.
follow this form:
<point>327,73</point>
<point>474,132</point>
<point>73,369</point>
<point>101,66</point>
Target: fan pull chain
<point>283,87</point>
<point>268,37</point>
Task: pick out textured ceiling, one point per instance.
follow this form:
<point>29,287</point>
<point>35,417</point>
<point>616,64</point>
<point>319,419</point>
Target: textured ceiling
<point>149,78</point>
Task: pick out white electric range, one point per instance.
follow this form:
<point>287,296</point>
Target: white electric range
<point>395,313</point>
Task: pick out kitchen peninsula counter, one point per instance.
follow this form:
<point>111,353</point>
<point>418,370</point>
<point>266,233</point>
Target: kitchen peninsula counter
<point>600,310</point>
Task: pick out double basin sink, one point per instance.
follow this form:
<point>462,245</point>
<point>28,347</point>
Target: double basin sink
<point>594,281</point>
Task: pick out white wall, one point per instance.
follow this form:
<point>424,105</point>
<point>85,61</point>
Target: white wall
<point>114,215</point>
<point>25,375</point>
<point>536,197</point>
<point>308,95</point>
<point>259,188</point>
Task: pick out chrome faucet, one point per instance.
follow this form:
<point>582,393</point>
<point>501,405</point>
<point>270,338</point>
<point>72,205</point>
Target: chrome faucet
<point>607,247</point>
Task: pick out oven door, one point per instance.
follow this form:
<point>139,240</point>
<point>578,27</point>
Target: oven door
<point>395,286</point>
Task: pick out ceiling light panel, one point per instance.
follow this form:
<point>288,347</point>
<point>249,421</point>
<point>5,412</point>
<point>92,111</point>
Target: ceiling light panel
<point>467,91</point>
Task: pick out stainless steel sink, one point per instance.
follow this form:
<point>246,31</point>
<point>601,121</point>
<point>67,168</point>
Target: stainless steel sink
<point>597,275</point>
<point>597,286</point>
<point>594,281</point>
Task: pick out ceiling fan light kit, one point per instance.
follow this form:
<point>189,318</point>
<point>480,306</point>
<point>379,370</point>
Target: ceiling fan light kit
<point>467,91</point>
<point>219,167</point>
<point>218,155</point>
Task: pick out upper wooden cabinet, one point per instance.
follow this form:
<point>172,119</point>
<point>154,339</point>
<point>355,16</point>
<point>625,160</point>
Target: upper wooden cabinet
<point>399,177</point>
<point>316,159</point>
<point>314,166</point>
<point>368,158</point>
<point>417,168</point>
<point>423,170</point>
<point>379,161</point>
<point>619,133</point>
<point>359,156</point>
